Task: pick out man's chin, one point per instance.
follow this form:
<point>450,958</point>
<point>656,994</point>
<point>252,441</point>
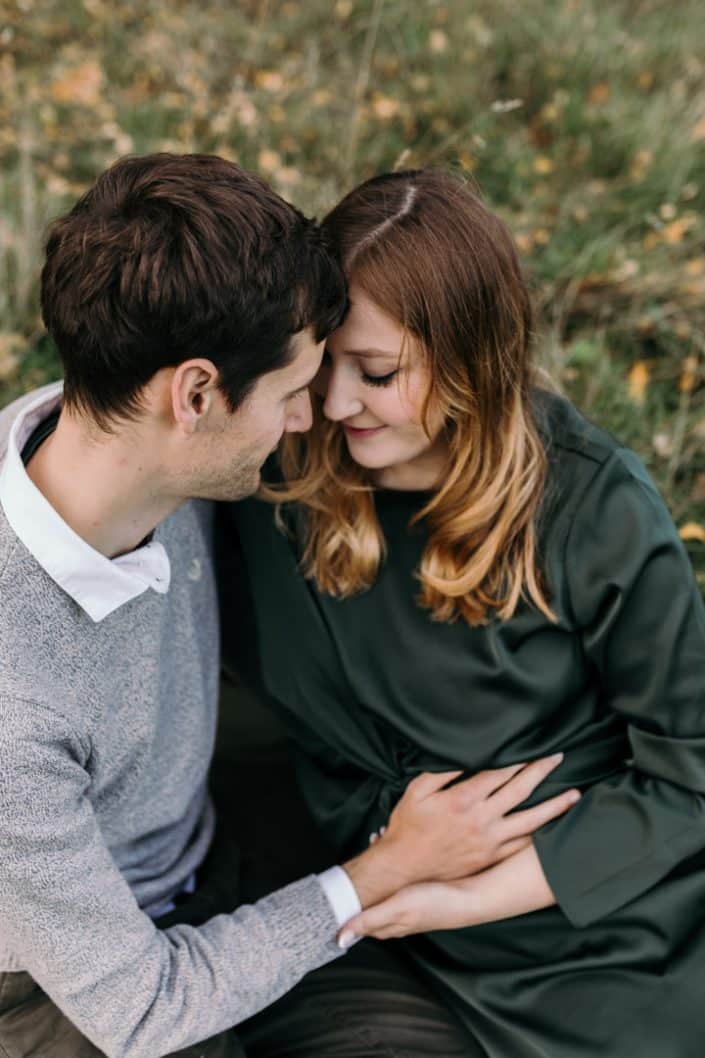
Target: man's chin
<point>235,488</point>
<point>246,487</point>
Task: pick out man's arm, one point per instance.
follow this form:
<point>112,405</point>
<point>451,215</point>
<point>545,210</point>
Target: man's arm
<point>71,918</point>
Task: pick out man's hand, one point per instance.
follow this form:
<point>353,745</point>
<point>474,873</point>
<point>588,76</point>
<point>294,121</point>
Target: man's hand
<point>513,887</point>
<point>440,832</point>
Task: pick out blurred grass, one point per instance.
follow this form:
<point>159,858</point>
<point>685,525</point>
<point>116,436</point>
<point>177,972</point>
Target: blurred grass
<point>583,124</point>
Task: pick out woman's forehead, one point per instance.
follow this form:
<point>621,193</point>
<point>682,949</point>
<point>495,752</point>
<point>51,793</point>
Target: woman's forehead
<point>367,327</point>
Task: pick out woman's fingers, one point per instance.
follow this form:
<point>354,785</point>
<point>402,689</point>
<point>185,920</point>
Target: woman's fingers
<point>429,905</point>
<point>516,791</point>
<point>428,783</point>
<point>380,921</point>
<point>523,823</point>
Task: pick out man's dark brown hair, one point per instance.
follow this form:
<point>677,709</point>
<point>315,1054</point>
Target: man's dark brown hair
<point>169,257</point>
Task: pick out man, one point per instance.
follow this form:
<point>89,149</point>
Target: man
<point>188,303</point>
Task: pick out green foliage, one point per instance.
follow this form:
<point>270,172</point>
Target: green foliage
<point>583,124</point>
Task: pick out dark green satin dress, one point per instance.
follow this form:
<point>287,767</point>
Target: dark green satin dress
<point>374,692</point>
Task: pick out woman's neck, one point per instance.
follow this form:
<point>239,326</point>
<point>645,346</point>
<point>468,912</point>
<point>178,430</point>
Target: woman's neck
<point>421,474</point>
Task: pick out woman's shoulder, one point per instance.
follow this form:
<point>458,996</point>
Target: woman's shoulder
<point>586,461</point>
<point>579,450</point>
<point>568,435</point>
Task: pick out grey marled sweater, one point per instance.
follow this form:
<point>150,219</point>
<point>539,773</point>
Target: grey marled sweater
<point>106,732</point>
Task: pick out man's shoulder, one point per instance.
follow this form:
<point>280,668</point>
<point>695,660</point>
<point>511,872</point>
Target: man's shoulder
<point>10,412</point>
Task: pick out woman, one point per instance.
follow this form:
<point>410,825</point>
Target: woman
<point>471,575</point>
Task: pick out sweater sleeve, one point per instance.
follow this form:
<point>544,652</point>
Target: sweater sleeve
<point>65,909</point>
<point>642,624</point>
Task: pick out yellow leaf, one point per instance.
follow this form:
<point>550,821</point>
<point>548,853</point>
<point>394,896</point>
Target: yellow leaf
<point>689,374</point>
<point>385,108</point>
<point>524,241</point>
<point>79,84</point>
<point>268,161</point>
<point>692,531</point>
<point>638,381</point>
<point>627,270</point>
<point>695,266</point>
<point>288,176</point>
<point>10,345</point>
<point>467,160</point>
<point>437,41</point>
<point>550,111</point>
<point>543,164</point>
<point>640,164</point>
<point>269,80</point>
<point>698,131</point>
<point>599,93</point>
<point>675,232</point>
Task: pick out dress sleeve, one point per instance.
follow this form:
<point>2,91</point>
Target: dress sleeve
<point>642,627</point>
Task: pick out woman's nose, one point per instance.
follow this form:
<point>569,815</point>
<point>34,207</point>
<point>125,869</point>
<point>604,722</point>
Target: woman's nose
<point>340,399</point>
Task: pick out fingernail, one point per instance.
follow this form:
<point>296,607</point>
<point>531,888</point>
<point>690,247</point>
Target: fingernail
<point>574,796</point>
<point>557,758</point>
<point>346,939</point>
<point>382,830</point>
<point>373,837</point>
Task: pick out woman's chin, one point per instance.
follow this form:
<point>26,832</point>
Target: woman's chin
<point>365,457</point>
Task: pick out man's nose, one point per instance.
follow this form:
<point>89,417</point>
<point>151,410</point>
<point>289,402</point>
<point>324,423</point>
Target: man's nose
<point>300,420</point>
<point>340,400</point>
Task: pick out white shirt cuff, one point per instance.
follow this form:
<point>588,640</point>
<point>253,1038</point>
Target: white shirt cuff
<point>341,894</point>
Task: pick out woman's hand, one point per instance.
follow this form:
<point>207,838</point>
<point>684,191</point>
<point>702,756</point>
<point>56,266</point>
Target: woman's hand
<point>439,832</point>
<point>514,887</point>
<point>455,831</point>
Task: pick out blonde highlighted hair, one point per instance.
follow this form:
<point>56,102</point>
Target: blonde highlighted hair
<point>427,251</point>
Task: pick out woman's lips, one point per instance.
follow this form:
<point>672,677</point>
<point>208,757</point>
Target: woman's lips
<point>356,431</point>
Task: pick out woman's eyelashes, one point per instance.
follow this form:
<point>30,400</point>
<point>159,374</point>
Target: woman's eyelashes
<point>379,380</point>
<point>369,380</point>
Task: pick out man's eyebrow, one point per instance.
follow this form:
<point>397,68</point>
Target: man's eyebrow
<point>302,387</point>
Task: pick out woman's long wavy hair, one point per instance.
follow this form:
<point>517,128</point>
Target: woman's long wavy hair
<point>425,249</point>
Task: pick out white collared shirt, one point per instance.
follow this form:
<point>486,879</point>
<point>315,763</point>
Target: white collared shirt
<point>98,584</point>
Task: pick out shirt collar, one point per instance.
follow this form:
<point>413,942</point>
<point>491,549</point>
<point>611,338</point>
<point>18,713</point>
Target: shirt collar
<point>98,584</point>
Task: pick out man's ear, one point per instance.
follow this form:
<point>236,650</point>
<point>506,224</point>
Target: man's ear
<point>194,389</point>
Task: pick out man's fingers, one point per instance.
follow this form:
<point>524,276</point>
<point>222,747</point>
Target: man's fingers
<point>430,782</point>
<point>526,822</point>
<point>484,783</point>
<point>516,791</point>
<point>511,847</point>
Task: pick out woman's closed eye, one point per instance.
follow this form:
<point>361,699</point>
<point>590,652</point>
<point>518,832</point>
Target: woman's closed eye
<point>367,378</point>
<point>379,380</point>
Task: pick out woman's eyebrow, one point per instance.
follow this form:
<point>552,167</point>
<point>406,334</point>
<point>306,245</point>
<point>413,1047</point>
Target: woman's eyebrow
<point>372,352</point>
